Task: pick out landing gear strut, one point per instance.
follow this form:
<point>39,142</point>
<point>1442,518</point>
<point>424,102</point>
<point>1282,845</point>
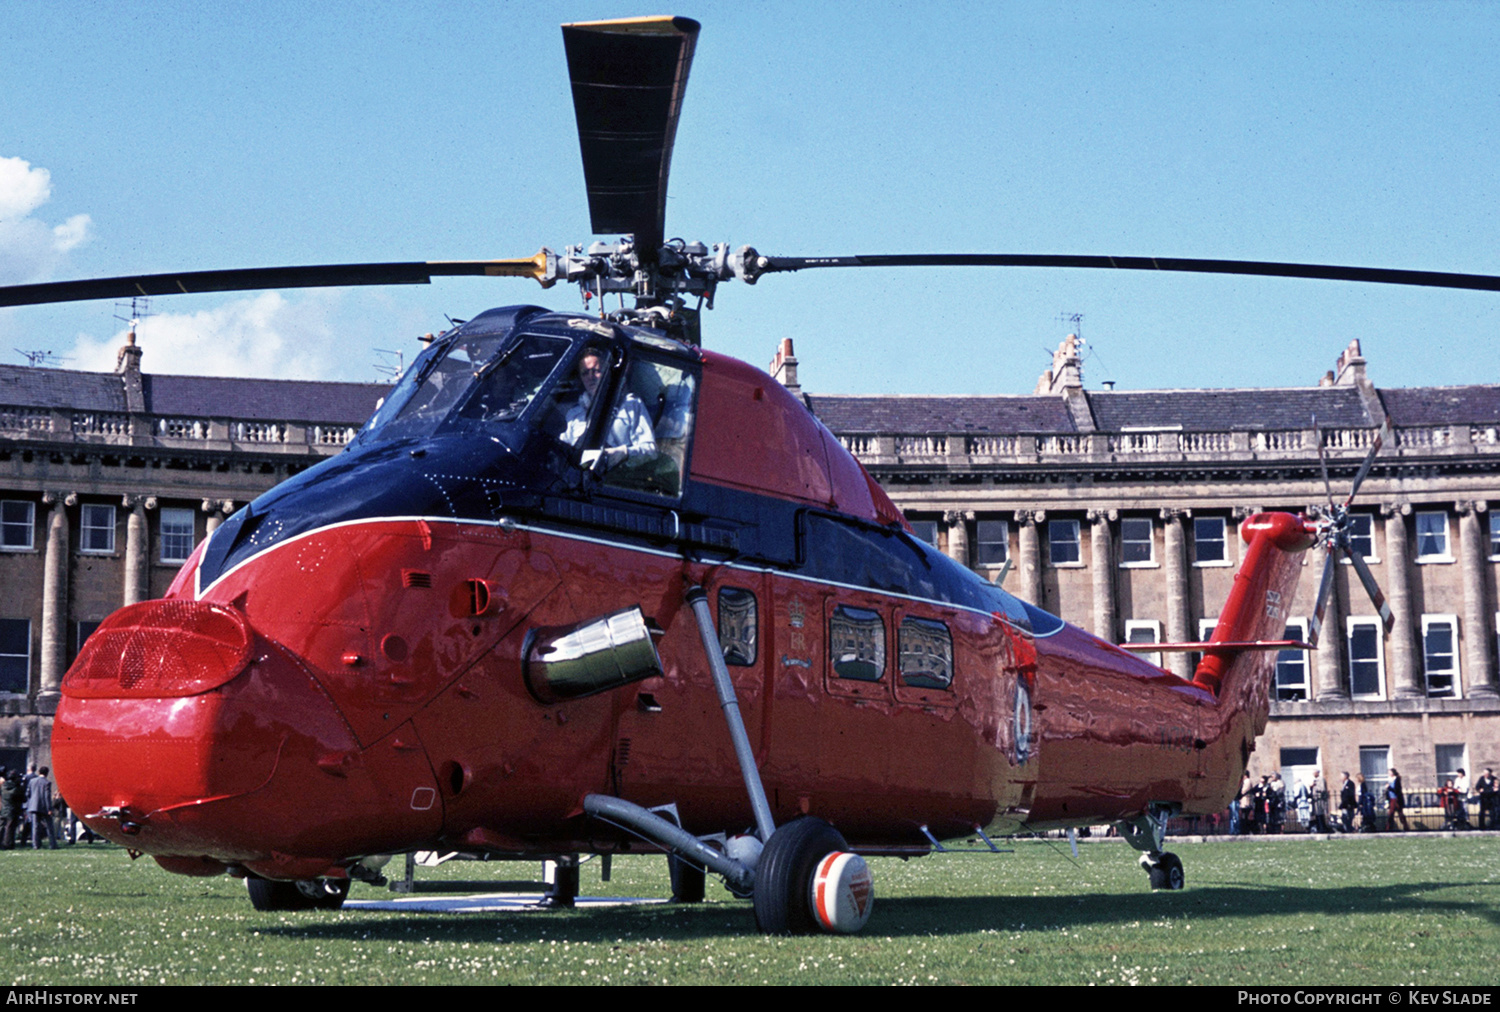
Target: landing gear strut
<point>311,894</point>
<point>1146,833</point>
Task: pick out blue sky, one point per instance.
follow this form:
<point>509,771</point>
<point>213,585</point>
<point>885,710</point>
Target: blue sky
<point>177,136</point>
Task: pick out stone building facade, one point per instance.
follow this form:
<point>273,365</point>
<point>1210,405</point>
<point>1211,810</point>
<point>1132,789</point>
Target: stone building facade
<point>1120,512</point>
<point>1117,510</point>
<point>108,481</point>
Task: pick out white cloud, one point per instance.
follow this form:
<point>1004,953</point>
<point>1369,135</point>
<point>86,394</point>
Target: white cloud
<point>31,250</point>
<point>263,335</point>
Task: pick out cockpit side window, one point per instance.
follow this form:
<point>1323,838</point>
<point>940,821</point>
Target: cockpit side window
<point>656,408</point>
<point>640,442</point>
<point>435,384</point>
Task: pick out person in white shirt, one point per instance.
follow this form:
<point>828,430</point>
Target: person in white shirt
<point>629,432</point>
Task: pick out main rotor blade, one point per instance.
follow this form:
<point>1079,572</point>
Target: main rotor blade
<point>628,80</point>
<point>1325,588</point>
<point>1387,617</point>
<point>1257,268</point>
<point>1364,469</point>
<point>256,278</point>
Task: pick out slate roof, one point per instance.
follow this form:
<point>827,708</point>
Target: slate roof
<point>27,387</point>
<point>907,413</point>
<point>1229,410</point>
<point>194,396</point>
<point>267,400</point>
<point>1439,405</point>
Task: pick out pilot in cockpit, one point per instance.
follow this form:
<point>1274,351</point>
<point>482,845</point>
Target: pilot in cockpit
<point>629,433</point>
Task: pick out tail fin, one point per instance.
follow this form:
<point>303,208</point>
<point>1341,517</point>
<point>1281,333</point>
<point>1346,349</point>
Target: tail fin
<point>1238,659</point>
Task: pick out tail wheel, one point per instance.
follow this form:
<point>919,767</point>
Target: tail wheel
<point>783,879</point>
<point>1167,872</point>
<point>312,894</point>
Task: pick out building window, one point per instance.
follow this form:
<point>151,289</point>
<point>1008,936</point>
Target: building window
<point>925,530</point>
<point>737,625</point>
<point>1362,535</point>
<point>15,654</point>
<point>81,633</point>
<point>1297,767</point>
<point>1449,760</point>
<point>176,535</point>
<point>1291,666</point>
<point>1135,541</point>
<point>1366,659</point>
<point>856,642</point>
<point>17,525</point>
<point>1439,654</point>
<point>1144,631</point>
<point>993,542</point>
<point>97,535</point>
<point>1375,764</point>
<point>925,653</point>
<point>1210,546</point>
<point>1494,534</point>
<point>1432,537</point>
<point>1062,542</point>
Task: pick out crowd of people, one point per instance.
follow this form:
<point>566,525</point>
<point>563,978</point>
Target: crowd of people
<point>30,810</point>
<point>1262,806</point>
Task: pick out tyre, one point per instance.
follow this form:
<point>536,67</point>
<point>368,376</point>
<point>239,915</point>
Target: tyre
<point>688,880</point>
<point>1167,873</point>
<point>783,879</point>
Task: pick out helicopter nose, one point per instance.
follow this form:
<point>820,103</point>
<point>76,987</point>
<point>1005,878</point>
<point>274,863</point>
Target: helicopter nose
<point>185,734</point>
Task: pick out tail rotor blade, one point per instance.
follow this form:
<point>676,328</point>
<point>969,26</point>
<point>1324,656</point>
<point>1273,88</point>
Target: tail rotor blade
<point>1387,617</point>
<point>1325,588</point>
<point>1323,463</point>
<point>1364,469</point>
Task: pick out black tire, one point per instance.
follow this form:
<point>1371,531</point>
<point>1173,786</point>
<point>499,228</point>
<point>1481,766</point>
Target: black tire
<point>1167,873</point>
<point>783,879</point>
<point>688,880</point>
<point>313,894</point>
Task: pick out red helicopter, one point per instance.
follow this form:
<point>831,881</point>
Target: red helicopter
<point>545,605</point>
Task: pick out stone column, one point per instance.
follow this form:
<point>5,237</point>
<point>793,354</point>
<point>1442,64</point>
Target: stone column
<point>1102,559</point>
<point>1030,562</point>
<point>55,599</point>
<point>1478,634</point>
<point>137,549</point>
<point>216,511</point>
<point>958,535</point>
<point>1178,606</point>
<point>1405,671</point>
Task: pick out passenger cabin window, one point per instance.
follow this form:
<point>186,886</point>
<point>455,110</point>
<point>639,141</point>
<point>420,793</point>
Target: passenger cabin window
<point>856,642</point>
<point>925,653</point>
<point>737,625</point>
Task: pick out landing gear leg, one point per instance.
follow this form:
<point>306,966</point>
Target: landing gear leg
<point>1146,833</point>
<point>562,882</point>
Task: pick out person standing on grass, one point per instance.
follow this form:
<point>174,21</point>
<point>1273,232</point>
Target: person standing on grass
<point>1348,802</point>
<point>1489,798</point>
<point>1395,802</point>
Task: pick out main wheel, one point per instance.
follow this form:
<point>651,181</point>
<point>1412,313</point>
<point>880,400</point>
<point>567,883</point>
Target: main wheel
<point>688,880</point>
<point>783,879</point>
<point>1167,872</point>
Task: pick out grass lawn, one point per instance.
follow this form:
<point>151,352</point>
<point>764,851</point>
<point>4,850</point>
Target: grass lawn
<point>1401,909</point>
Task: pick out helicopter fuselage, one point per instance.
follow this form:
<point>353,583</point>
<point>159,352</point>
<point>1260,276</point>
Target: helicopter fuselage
<point>362,660</point>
